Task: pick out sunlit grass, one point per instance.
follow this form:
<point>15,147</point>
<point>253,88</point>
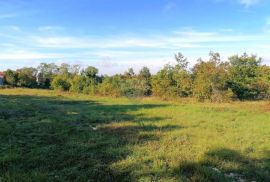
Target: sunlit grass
<point>46,135</point>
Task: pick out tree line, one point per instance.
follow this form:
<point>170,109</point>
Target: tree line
<point>239,78</point>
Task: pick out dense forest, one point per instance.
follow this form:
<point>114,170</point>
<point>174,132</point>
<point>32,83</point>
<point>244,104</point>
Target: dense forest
<point>240,78</point>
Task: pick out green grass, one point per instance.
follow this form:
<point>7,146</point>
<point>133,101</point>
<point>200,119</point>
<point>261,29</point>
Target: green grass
<point>49,136</point>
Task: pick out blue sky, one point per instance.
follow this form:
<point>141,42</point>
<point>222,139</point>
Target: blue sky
<point>116,34</point>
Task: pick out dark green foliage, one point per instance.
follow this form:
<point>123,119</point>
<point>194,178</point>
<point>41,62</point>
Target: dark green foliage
<point>144,78</point>
<point>27,77</point>
<point>11,77</point>
<point>90,72</point>
<point>136,85</point>
<point>244,74</point>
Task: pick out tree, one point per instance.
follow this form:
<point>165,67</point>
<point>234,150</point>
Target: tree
<point>11,77</point>
<point>77,84</point>
<point>109,87</point>
<point>241,77</point>
<point>215,57</point>
<point>211,80</point>
<point>182,62</point>
<point>45,74</point>
<point>163,83</point>
<point>91,79</point>
<point>90,72</point>
<point>74,70</point>
<point>173,81</point>
<point>263,82</point>
<point>27,77</point>
<point>182,77</point>
<point>129,73</point>
<point>64,70</point>
<point>244,76</point>
<point>61,83</point>
<point>144,81</point>
<point>183,82</point>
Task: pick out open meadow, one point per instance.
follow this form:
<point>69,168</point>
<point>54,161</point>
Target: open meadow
<point>55,136</point>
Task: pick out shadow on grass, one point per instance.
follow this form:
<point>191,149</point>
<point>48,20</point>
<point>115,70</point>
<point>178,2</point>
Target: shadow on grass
<point>55,139</point>
<point>226,165</point>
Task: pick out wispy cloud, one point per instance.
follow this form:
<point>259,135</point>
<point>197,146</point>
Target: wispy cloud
<point>119,51</point>
<point>50,29</point>
<point>174,40</point>
<point>8,15</point>
<point>112,42</point>
<point>169,6</point>
<point>248,3</point>
<point>23,55</point>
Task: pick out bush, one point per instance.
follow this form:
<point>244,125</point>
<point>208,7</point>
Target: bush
<point>222,96</point>
<point>78,83</point>
<point>90,89</point>
<point>163,83</point>
<point>211,80</point>
<point>106,88</point>
<point>61,83</point>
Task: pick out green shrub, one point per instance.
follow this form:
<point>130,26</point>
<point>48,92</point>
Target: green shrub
<point>107,88</point>
<point>61,83</point>
<point>77,84</point>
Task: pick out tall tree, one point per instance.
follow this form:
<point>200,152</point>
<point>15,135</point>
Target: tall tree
<point>181,76</point>
<point>91,78</point>
<point>129,73</point>
<point>182,62</point>
<point>144,81</point>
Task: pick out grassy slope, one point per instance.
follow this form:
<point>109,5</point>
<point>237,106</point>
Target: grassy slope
<point>52,136</point>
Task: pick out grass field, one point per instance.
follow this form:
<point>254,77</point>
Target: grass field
<point>49,136</point>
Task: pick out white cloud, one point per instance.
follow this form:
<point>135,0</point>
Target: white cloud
<point>176,40</point>
<point>23,55</point>
<point>117,53</point>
